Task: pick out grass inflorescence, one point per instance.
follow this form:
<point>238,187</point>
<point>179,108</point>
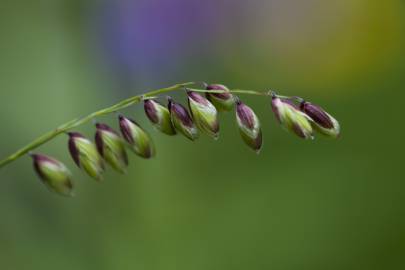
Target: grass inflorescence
<point>199,116</point>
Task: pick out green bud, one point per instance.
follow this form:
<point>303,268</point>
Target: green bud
<point>322,121</point>
<point>140,142</point>
<point>85,155</point>
<point>159,116</point>
<point>182,120</point>
<point>205,115</point>
<point>249,126</point>
<point>291,118</point>
<point>53,174</point>
<point>111,147</point>
<point>222,101</point>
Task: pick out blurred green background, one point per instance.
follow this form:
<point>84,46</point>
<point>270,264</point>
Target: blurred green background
<point>323,204</point>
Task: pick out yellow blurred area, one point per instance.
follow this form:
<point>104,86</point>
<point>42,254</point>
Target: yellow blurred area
<point>321,43</point>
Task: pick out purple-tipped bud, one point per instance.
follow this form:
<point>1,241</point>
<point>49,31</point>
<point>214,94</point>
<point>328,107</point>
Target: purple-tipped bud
<point>159,116</point>
<point>205,115</point>
<point>139,140</point>
<point>182,120</point>
<point>84,153</point>
<point>291,118</point>
<point>249,126</point>
<point>111,147</point>
<point>321,120</point>
<point>53,174</point>
<point>222,101</point>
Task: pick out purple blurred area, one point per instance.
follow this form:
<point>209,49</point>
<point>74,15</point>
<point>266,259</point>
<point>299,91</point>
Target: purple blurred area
<point>156,37</point>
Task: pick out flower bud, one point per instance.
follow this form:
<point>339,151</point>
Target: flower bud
<point>291,118</point>
<point>111,147</point>
<point>53,174</point>
<point>85,155</point>
<point>139,141</point>
<point>159,116</point>
<point>205,115</point>
<point>222,101</point>
<point>323,122</point>
<point>182,121</point>
<point>249,126</point>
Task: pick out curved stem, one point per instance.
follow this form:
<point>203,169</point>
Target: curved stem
<point>119,106</point>
<point>79,121</point>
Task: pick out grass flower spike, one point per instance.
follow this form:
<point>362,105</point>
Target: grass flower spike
<point>293,113</point>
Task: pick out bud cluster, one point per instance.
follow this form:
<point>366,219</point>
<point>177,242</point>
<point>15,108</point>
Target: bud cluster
<point>109,147</point>
<point>304,118</point>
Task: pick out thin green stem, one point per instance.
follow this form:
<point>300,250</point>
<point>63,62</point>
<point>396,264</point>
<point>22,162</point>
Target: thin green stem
<point>119,106</point>
<point>80,121</point>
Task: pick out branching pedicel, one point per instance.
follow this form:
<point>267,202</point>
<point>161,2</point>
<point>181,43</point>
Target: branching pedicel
<point>293,113</point>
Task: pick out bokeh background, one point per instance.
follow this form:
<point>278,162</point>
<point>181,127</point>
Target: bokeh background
<point>323,204</point>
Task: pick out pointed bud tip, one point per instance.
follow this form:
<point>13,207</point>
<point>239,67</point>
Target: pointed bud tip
<point>169,102</point>
<point>105,127</point>
<point>216,87</point>
<point>74,134</point>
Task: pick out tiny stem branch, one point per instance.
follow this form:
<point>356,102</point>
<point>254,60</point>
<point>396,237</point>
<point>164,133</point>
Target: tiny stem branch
<point>119,106</point>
